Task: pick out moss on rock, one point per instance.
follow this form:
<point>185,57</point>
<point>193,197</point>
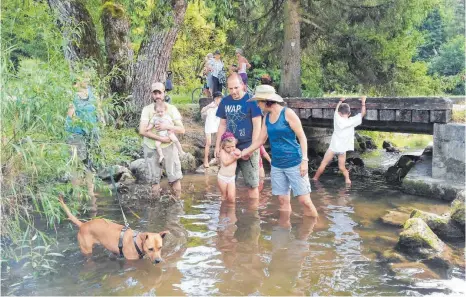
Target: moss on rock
<point>418,239</point>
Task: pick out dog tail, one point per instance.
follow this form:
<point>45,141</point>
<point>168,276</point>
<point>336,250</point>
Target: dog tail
<point>71,217</point>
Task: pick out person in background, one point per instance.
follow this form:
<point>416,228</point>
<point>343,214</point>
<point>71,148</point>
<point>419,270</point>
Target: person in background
<point>243,65</point>
<point>207,72</point>
<point>342,137</point>
<point>289,158</point>
<point>211,124</point>
<point>81,124</point>
<point>217,72</point>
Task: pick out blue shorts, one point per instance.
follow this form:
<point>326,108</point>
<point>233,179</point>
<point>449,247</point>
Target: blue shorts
<point>284,179</point>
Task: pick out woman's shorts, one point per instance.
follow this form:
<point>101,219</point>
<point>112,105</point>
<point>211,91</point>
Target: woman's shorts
<point>284,179</point>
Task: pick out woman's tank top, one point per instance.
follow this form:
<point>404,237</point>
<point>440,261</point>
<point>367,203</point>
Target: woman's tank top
<point>286,151</point>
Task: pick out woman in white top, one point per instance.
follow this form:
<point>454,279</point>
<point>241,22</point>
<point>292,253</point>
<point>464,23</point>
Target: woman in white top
<point>217,68</point>
<point>243,64</point>
<point>211,123</point>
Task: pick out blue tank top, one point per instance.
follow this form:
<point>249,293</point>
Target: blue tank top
<point>286,151</point>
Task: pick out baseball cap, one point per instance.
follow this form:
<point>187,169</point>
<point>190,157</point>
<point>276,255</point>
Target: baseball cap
<point>157,86</point>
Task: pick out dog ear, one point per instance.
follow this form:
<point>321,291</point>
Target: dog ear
<point>163,233</point>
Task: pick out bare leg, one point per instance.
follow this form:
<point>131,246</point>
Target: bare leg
<point>342,167</point>
<point>159,150</point>
<point>253,193</point>
<point>176,188</point>
<point>208,142</point>
<point>261,172</point>
<point>175,140</point>
<point>285,204</point>
<point>308,207</point>
<point>223,186</point>
<point>156,190</point>
<point>327,158</point>
<point>231,192</point>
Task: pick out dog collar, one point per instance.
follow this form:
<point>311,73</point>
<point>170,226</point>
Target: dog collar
<point>141,254</point>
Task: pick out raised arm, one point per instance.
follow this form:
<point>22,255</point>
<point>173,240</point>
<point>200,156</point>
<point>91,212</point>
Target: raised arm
<point>363,106</point>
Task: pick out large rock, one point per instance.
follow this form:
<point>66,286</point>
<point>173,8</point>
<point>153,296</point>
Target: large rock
<point>442,226</point>
<point>418,240</point>
<point>457,213</point>
<point>188,163</point>
<point>115,170</point>
<point>140,170</point>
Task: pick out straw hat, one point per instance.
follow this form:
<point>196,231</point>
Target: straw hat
<point>266,93</point>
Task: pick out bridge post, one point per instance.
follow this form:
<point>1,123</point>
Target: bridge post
<point>448,160</point>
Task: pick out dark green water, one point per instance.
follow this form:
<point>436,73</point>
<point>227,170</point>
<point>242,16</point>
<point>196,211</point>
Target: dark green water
<point>219,249</point>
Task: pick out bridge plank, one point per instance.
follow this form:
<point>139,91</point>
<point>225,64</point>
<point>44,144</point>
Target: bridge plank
<point>317,113</point>
<point>328,113</point>
<point>372,115</point>
<point>440,116</point>
<point>420,116</point>
<point>419,103</point>
<point>403,115</point>
<point>387,114</point>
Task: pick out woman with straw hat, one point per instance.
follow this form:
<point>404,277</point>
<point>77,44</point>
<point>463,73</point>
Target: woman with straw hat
<point>289,158</point>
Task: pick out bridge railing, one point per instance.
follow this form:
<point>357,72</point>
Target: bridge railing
<point>391,114</point>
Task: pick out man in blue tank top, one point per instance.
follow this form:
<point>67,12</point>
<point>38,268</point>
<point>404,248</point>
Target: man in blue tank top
<point>243,119</point>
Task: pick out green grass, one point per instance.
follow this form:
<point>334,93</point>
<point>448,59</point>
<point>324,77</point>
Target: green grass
<point>181,98</point>
<point>400,140</point>
<point>459,116</point>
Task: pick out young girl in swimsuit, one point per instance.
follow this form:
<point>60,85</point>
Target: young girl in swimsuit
<point>227,173</point>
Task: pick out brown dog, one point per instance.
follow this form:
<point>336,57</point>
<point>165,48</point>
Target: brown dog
<point>100,231</point>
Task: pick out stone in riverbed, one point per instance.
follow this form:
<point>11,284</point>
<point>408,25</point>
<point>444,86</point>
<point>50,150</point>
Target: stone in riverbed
<point>457,212</point>
<point>418,240</point>
<point>395,218</point>
<point>442,226</point>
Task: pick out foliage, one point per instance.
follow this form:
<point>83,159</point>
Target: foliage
<point>400,140</point>
<point>198,36</point>
<point>450,60</point>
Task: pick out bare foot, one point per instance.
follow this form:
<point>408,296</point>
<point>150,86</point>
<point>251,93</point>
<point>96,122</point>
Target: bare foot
<point>348,182</point>
<point>206,165</point>
<point>315,179</point>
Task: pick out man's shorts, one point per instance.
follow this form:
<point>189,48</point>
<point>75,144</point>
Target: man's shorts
<point>171,162</point>
<point>285,178</point>
<point>79,146</point>
<point>250,170</point>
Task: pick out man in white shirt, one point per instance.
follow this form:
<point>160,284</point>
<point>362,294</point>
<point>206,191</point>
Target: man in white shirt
<point>172,160</point>
<point>342,137</point>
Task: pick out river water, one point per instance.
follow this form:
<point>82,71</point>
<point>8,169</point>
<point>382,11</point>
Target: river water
<point>245,249</point>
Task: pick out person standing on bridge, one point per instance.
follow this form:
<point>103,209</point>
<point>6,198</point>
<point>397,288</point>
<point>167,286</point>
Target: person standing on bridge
<point>342,137</point>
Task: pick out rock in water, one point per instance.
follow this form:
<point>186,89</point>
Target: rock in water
<point>418,240</point>
<point>442,226</point>
<point>188,163</point>
<point>457,212</point>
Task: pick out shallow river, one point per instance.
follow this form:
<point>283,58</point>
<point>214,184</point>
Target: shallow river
<point>217,249</point>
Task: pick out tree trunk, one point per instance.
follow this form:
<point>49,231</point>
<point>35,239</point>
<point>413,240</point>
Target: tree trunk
<point>290,82</point>
<point>154,54</point>
<point>78,30</point>
<point>118,47</point>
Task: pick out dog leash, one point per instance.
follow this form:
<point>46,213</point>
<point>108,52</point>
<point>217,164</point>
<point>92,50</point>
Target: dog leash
<point>119,202</point>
